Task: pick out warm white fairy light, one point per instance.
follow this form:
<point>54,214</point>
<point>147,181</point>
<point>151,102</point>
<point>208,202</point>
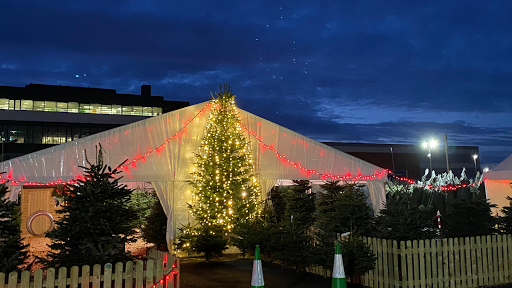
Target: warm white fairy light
<point>224,170</point>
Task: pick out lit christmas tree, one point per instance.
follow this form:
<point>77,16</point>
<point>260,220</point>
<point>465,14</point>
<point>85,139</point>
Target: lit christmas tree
<point>225,188</point>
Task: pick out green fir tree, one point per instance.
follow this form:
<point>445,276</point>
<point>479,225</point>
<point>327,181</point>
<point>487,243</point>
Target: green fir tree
<point>296,245</point>
<point>506,219</point>
<point>96,221</point>
<point>142,201</point>
<point>225,188</point>
<point>12,250</point>
<point>358,258</point>
<point>402,219</point>
<point>155,229</point>
<point>340,208</point>
<point>344,208</point>
<point>467,218</point>
<point>186,239</point>
<point>209,240</point>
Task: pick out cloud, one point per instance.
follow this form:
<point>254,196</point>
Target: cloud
<point>340,71</point>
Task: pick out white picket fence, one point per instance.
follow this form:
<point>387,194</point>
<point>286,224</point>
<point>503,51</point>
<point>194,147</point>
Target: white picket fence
<point>153,273</point>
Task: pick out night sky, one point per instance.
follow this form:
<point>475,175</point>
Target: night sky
<point>347,71</point>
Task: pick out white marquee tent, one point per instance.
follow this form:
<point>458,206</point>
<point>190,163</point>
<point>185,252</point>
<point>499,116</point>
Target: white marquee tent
<point>160,150</point>
<point>497,184</point>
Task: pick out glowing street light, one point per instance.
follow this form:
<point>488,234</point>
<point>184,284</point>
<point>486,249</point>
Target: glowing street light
<point>474,160</point>
<point>432,144</point>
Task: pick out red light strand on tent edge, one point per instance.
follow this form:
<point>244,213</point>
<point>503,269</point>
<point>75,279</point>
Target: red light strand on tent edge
<point>348,176</point>
<point>132,162</point>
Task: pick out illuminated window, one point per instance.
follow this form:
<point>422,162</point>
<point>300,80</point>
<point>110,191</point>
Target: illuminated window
<point>147,111</point>
<point>106,109</point>
<point>137,110</point>
<point>116,109</point>
<point>50,106</point>
<point>127,110</point>
<point>13,133</point>
<point>4,103</point>
<point>84,108</point>
<point>73,107</point>
<point>39,105</point>
<point>96,108</point>
<point>27,105</point>
<point>22,134</point>
<point>62,107</point>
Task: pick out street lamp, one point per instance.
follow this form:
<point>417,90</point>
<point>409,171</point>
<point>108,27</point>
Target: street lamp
<point>430,145</point>
<point>392,160</point>
<point>474,160</point>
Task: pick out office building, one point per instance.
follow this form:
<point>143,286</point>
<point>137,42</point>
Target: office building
<point>38,116</point>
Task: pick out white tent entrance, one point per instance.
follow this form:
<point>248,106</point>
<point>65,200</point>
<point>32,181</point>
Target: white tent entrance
<point>498,184</point>
<point>160,150</point>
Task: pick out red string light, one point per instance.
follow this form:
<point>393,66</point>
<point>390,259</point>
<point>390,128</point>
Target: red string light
<point>126,166</point>
<point>348,176</point>
<point>449,187</point>
<point>158,149</point>
<point>167,276</point>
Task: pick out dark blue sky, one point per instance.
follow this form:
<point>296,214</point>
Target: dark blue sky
<point>348,71</point>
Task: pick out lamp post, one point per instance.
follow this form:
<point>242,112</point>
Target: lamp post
<point>430,145</point>
<point>446,153</point>
<point>474,160</point>
<point>392,160</point>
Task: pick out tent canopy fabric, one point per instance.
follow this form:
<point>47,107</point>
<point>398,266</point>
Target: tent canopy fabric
<point>161,150</point>
<point>502,171</point>
<point>497,184</point>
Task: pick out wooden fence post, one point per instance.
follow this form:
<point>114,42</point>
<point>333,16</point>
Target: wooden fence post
<point>139,274</point>
<point>50,278</point>
<point>396,267</point>
<point>428,264</point>
<point>371,274</point>
<point>86,274</point>
<point>403,263</point>
<point>13,280</point>
<point>451,251</point>
<point>38,278</point>
<point>386,264</point>
<point>501,266</point>
<point>506,259</point>
<point>380,268</point>
<point>96,276</point>
<point>149,274</point>
<point>421,258</point>
<point>25,279</point>
<point>74,277</point>
<point>63,277</point>
<point>494,246</point>
<point>461,269</point>
<point>480,268</point>
<point>128,276</point>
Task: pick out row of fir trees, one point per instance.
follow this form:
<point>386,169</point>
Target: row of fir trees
<point>296,225</point>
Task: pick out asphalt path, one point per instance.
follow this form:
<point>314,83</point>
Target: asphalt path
<point>235,272</point>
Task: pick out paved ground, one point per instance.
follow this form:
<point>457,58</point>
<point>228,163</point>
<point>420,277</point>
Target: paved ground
<point>230,271</point>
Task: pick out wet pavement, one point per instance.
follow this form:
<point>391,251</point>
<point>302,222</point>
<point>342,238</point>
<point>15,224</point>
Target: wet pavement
<point>232,271</point>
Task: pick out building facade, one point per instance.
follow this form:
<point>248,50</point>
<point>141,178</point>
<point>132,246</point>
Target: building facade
<point>38,116</point>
